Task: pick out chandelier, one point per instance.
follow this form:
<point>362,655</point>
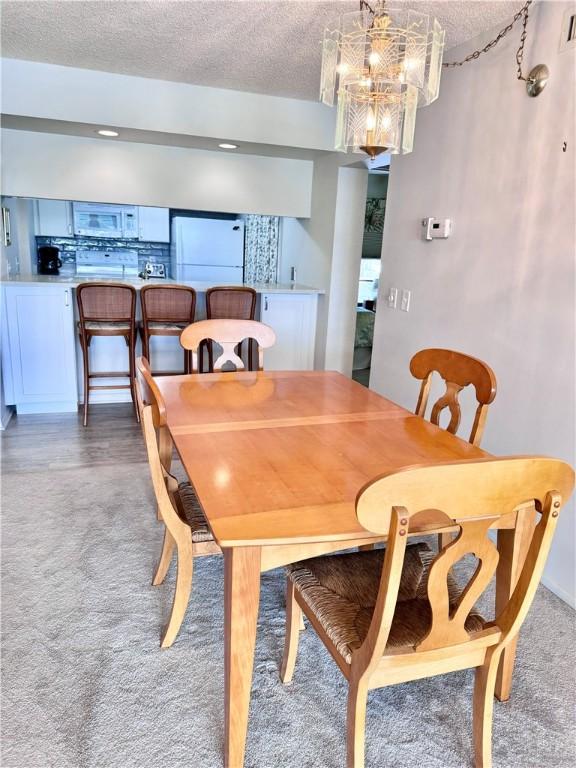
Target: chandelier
<point>380,64</point>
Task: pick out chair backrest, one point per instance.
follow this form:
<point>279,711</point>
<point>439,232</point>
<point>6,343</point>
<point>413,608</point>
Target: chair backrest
<point>106,302</point>
<point>228,334</point>
<point>148,394</point>
<point>475,495</point>
<point>458,371</point>
<point>165,486</point>
<point>230,303</point>
<point>168,303</point>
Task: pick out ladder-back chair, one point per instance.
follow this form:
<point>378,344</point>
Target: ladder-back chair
<point>399,614</point>
<point>186,528</point>
<point>166,311</point>
<point>107,309</point>
<point>228,334</point>
<point>230,303</point>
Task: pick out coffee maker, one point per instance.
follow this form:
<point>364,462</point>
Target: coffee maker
<point>49,262</point>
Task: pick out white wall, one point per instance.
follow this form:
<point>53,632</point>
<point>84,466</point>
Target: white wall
<point>307,245</point>
<point>75,168</point>
<point>53,92</point>
<point>346,255</point>
<point>326,251</point>
<point>9,254</point>
<point>502,287</point>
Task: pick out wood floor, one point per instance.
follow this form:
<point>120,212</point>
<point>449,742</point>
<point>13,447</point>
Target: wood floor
<point>59,441</point>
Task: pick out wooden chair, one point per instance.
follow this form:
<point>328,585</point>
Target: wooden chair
<point>107,309</point>
<point>397,615</point>
<point>166,311</point>
<point>229,334</point>
<point>230,303</point>
<point>178,507</point>
<point>458,371</point>
<point>147,393</point>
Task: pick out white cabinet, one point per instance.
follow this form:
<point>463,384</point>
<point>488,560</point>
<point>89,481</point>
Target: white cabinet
<point>54,218</point>
<point>293,318</point>
<point>154,224</point>
<point>41,345</point>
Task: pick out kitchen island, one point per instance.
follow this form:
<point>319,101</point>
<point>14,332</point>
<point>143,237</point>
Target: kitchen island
<point>42,359</point>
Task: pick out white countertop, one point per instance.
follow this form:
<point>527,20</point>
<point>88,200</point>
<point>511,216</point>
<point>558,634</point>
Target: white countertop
<point>200,287</point>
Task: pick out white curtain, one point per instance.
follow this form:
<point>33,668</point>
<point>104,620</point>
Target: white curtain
<point>261,249</point>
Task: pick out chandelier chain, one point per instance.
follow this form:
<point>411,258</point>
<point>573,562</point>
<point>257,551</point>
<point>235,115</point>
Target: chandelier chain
<point>522,14</point>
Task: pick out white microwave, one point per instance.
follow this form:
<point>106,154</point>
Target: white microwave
<point>101,220</point>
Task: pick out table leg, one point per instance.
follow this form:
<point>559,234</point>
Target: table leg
<point>513,545</point>
<point>241,598</point>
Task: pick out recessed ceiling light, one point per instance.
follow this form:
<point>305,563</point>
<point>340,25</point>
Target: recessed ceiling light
<point>225,145</point>
<point>106,132</point>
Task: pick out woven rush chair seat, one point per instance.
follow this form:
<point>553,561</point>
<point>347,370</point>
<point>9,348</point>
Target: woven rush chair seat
<point>93,325</point>
<point>342,593</point>
<point>176,327</point>
<point>191,512</point>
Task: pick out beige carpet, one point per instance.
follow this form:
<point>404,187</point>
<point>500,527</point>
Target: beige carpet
<point>85,684</point>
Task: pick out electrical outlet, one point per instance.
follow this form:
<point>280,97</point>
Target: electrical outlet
<point>405,300</point>
<point>392,298</point>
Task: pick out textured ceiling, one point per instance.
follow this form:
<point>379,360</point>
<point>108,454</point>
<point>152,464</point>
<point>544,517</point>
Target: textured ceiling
<point>270,46</point>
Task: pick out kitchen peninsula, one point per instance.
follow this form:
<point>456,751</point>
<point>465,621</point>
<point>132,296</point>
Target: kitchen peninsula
<point>41,355</point>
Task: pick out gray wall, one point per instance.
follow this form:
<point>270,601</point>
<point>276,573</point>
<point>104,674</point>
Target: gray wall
<point>502,287</point>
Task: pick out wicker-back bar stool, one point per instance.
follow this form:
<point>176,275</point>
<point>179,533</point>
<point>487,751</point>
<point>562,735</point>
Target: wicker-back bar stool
<point>166,311</point>
<point>230,303</point>
<point>107,309</point>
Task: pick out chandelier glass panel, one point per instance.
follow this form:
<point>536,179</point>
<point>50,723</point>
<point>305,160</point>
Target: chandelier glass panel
<point>379,65</point>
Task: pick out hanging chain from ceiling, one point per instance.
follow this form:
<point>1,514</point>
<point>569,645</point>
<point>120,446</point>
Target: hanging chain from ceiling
<point>522,14</point>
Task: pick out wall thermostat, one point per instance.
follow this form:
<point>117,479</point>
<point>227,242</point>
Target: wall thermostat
<point>432,228</point>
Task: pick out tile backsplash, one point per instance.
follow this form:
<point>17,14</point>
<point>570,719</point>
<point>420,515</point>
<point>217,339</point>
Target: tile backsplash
<point>158,253</point>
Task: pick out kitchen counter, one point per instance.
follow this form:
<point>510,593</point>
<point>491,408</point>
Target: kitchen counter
<point>42,364</point>
<point>201,287</point>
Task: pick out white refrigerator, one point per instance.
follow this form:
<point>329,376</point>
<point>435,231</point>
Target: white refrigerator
<point>210,250</point>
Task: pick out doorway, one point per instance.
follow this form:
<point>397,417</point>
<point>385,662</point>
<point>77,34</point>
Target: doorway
<point>370,266</point>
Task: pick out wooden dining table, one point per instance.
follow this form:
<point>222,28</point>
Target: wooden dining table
<point>277,460</point>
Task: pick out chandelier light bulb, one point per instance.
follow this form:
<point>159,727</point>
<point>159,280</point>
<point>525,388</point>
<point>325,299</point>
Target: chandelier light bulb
<point>370,119</point>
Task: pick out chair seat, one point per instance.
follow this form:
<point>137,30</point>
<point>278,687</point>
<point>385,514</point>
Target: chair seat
<point>191,512</point>
<point>341,591</point>
<point>167,326</point>
<point>105,325</point>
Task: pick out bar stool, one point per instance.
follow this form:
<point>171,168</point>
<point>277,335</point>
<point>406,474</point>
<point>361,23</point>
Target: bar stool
<point>107,309</point>
<point>166,311</point>
<point>230,303</point>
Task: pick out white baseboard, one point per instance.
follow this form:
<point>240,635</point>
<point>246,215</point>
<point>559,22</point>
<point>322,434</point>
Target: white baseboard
<point>67,406</point>
<point>559,592</point>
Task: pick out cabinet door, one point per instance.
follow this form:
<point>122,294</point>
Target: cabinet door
<point>42,348</point>
<point>54,218</point>
<point>154,224</point>
<point>293,318</point>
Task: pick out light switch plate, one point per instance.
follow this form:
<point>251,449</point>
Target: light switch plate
<point>405,300</point>
<point>392,298</point>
